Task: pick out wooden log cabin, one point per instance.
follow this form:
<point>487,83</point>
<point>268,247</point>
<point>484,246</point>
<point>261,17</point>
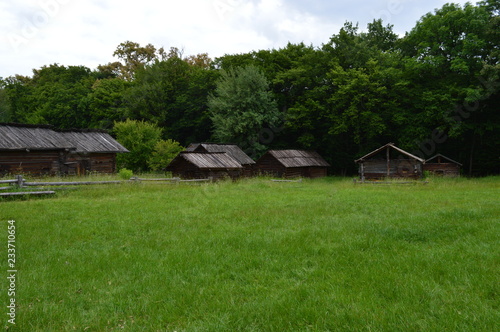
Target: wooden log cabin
<point>443,166</point>
<point>232,150</point>
<point>41,150</point>
<point>201,165</point>
<point>389,161</point>
<point>292,164</point>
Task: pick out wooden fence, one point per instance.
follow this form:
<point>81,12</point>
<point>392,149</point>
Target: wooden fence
<point>20,183</point>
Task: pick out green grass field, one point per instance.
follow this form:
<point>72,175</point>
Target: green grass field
<point>256,255</point>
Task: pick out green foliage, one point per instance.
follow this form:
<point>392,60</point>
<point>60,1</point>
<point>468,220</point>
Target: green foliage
<point>106,102</point>
<point>125,174</point>
<point>5,112</point>
<point>241,107</point>
<point>173,93</point>
<point>163,153</point>
<point>358,91</point>
<point>140,138</point>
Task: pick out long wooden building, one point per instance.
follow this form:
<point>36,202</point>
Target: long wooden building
<point>39,149</point>
<point>232,150</point>
<point>292,164</point>
<point>389,161</point>
<point>201,165</point>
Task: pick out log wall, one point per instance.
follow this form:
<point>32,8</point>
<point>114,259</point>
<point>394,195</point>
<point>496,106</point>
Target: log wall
<point>186,170</point>
<point>398,168</point>
<point>33,162</point>
<point>55,162</point>
<point>444,169</point>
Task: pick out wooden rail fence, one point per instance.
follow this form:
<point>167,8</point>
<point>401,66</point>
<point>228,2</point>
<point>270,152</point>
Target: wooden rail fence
<point>19,182</point>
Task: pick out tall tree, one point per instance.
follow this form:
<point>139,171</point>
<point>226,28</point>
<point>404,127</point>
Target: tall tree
<point>453,66</point>
<point>54,95</point>
<point>241,107</point>
<point>173,93</point>
<point>133,57</point>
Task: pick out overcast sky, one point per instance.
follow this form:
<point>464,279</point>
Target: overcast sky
<point>34,33</point>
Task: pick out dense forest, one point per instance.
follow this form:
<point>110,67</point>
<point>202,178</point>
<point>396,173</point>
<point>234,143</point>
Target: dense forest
<point>434,90</point>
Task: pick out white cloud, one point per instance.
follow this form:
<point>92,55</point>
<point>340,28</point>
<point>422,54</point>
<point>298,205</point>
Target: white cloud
<point>34,33</point>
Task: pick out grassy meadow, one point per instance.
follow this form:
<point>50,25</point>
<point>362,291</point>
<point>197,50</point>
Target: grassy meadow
<point>256,255</point>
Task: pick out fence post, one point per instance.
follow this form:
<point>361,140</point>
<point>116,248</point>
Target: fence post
<point>20,181</point>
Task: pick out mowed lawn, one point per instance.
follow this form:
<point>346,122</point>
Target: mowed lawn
<point>256,255</point>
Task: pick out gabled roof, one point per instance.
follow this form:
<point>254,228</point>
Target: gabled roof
<point>231,149</point>
<point>17,137</point>
<point>443,157</point>
<point>93,142</point>
<point>219,160</point>
<point>298,158</point>
<point>391,146</point>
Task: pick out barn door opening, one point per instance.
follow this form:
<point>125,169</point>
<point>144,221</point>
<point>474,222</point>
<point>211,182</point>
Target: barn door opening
<point>83,167</point>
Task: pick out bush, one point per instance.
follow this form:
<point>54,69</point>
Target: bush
<point>140,138</point>
<point>164,152</point>
<point>125,174</point>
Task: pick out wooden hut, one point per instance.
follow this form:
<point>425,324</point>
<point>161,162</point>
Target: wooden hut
<point>231,149</point>
<point>292,163</point>
<point>200,165</point>
<point>389,161</point>
<point>39,149</point>
<point>95,151</point>
<point>441,165</point>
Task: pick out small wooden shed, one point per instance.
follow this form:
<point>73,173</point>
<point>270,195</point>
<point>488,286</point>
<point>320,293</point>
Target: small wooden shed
<point>389,161</point>
<point>292,164</point>
<point>39,149</point>
<point>201,165</point>
<point>441,165</point>
<point>231,149</point>
<point>94,151</point>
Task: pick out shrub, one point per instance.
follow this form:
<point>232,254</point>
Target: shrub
<point>140,138</point>
<point>164,152</point>
<point>125,174</point>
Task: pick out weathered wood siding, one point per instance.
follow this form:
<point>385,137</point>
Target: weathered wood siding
<point>33,162</point>
<point>398,168</point>
<point>55,162</point>
<point>187,171</point>
<point>444,169</point>
<point>305,172</point>
<point>316,172</point>
<point>81,164</point>
<point>269,166</point>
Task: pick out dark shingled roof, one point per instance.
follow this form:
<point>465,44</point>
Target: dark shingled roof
<point>218,160</point>
<point>16,137</point>
<point>298,158</point>
<point>93,142</point>
<point>231,149</point>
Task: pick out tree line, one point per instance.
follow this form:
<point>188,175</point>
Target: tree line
<point>434,90</point>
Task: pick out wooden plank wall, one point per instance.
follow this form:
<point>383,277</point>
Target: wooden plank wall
<point>185,170</point>
<point>399,168</point>
<point>35,162</point>
<point>268,165</point>
<point>96,162</point>
<point>55,162</point>
<point>445,169</point>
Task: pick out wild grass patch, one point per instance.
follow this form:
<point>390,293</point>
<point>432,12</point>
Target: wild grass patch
<point>257,255</point>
